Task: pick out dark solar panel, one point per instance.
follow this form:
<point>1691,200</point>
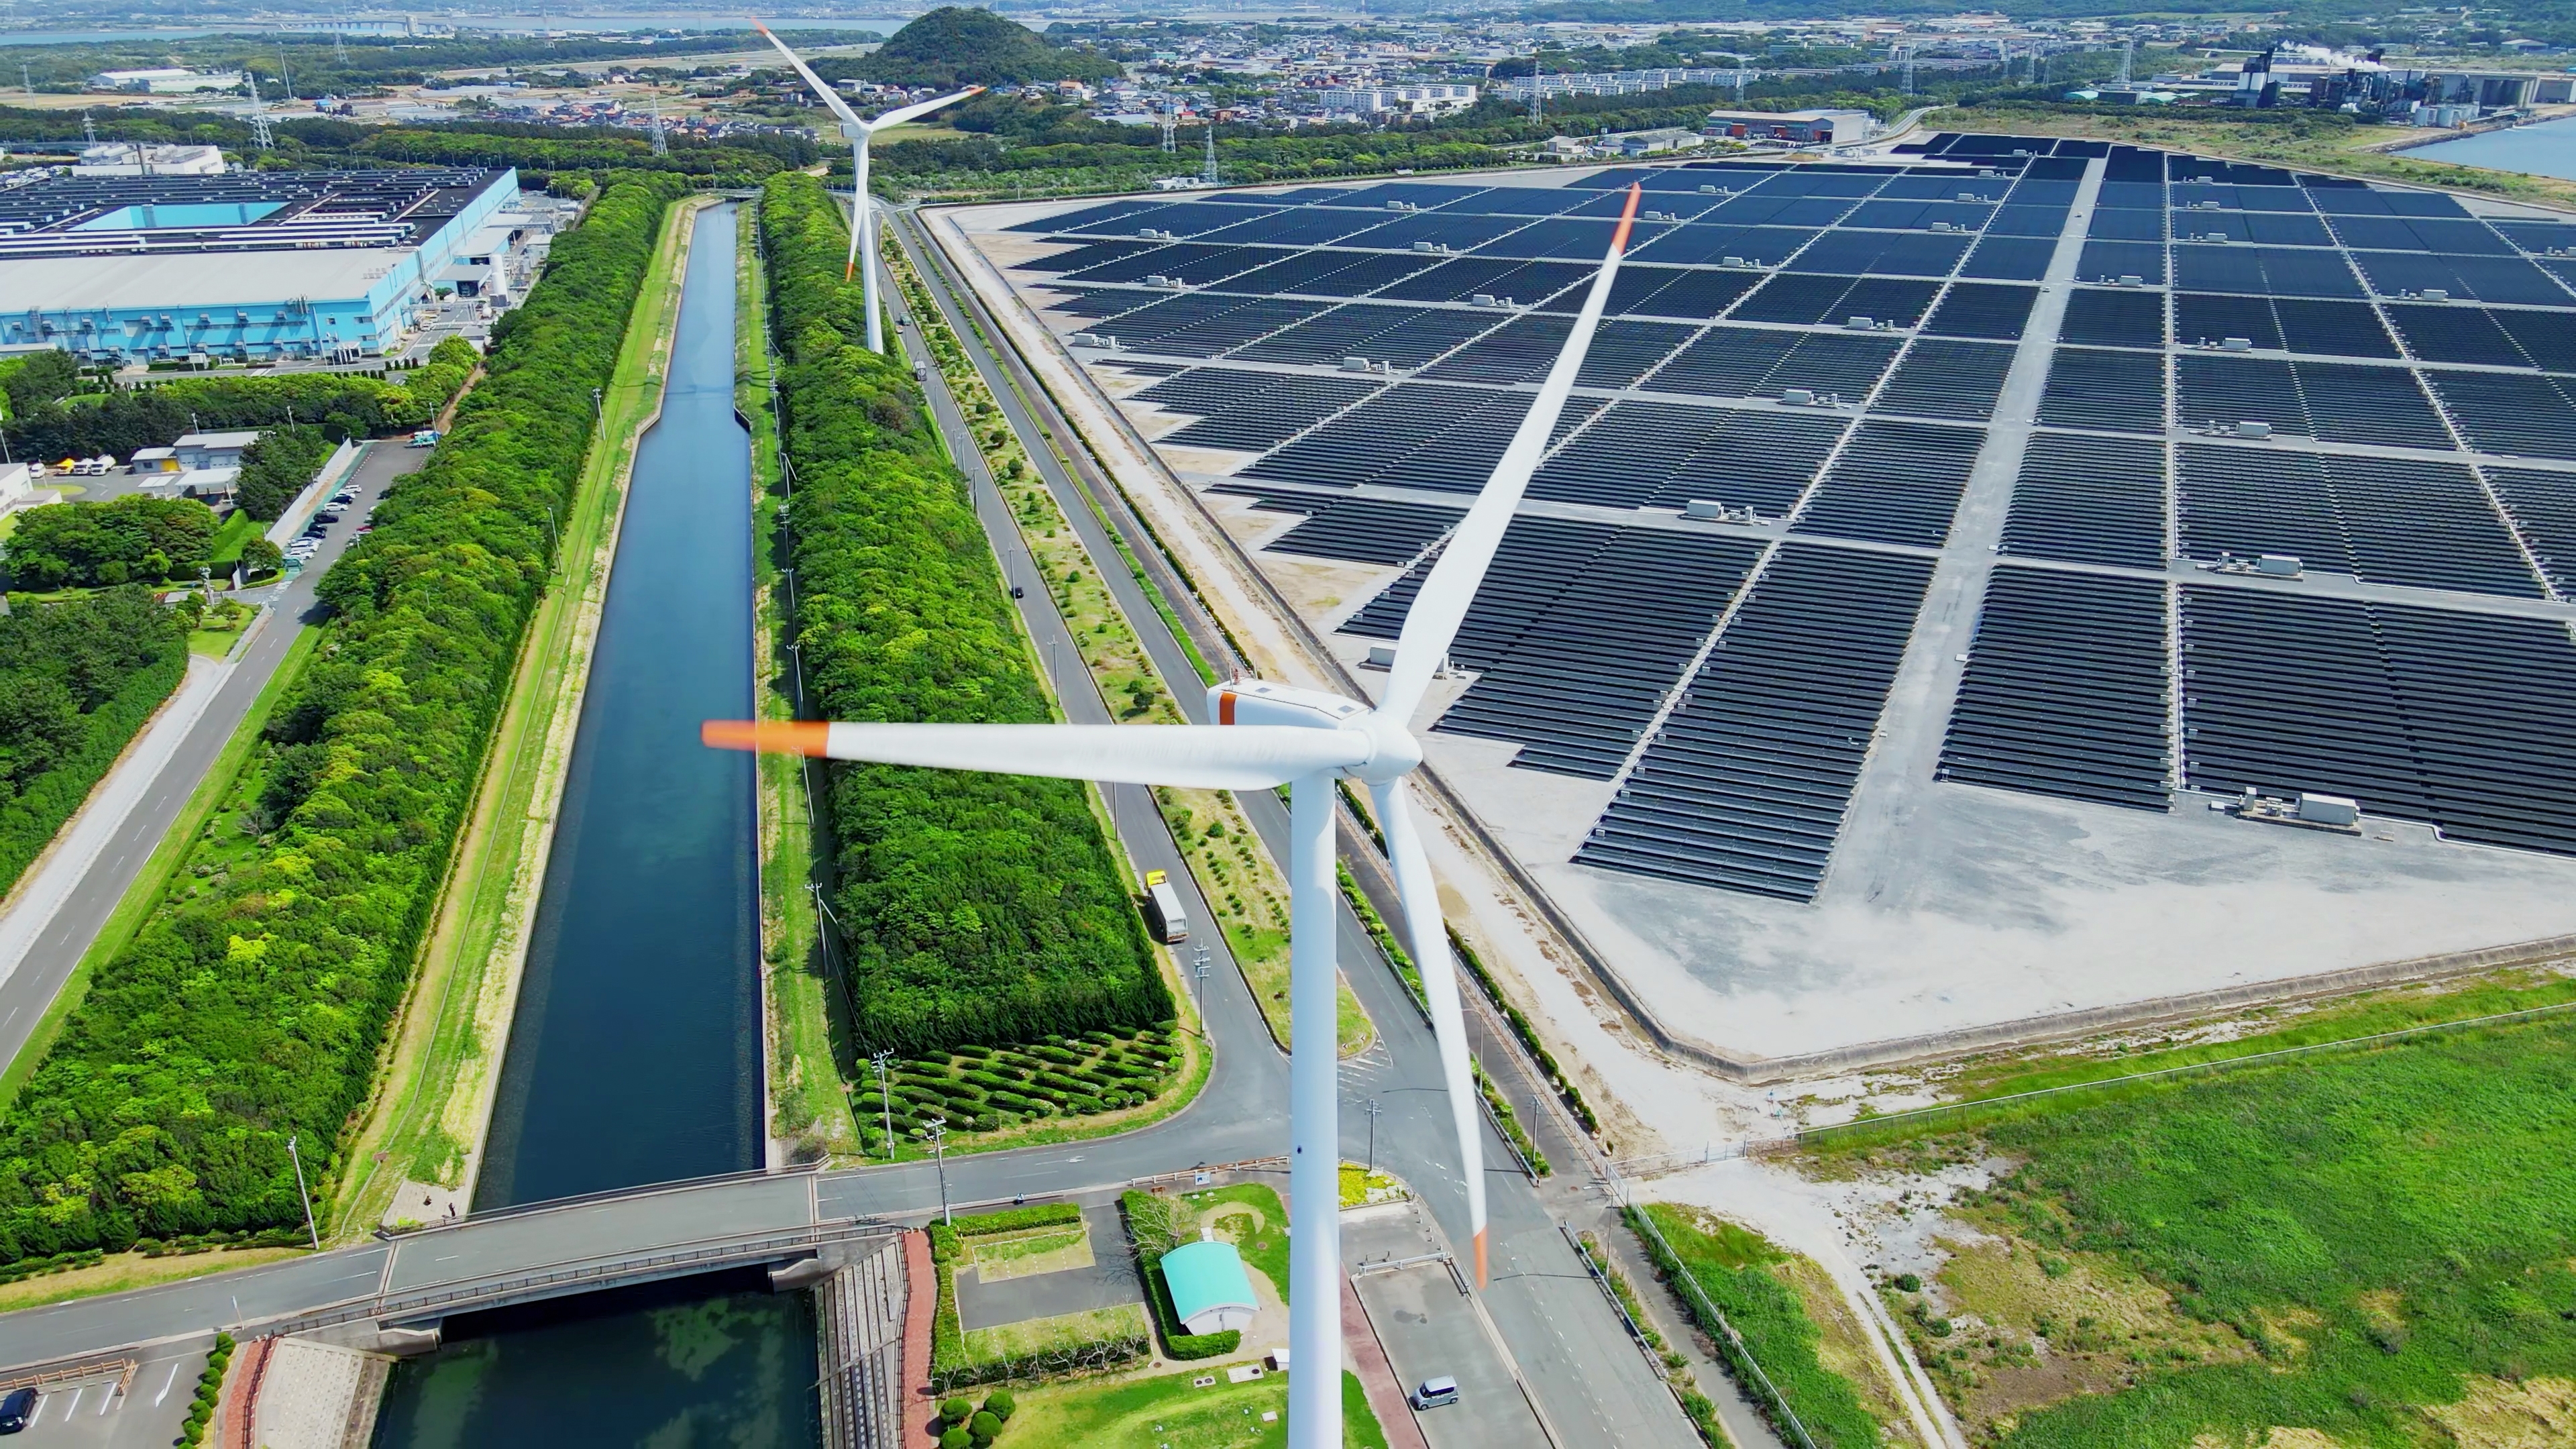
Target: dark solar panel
<point>1089,254</point>
<point>1886,253</point>
<point>1405,336</point>
<point>1744,786</point>
<point>1811,297</point>
<point>1094,303</point>
<point>2188,196</point>
<point>1305,227</point>
<point>1919,213</point>
<point>2089,500</point>
<point>1189,262</point>
<point>2510,413</point>
<point>1982,309</point>
<point>1090,218</point>
<point>2263,228</point>
<point>1570,237</point>
<point>1709,246</point>
<point>1467,277</point>
<point>1250,411</point>
<point>1588,667</point>
<point>1522,201</point>
<point>2490,337</point>
<point>2483,279</point>
<point>2419,234</point>
<point>2337,402</point>
<point>1203,324</point>
<point>1414,435</point>
<point>1523,349</point>
<point>2365,200</point>
<point>2542,507</point>
<point>2113,317</point>
<point>2386,520</point>
<point>1458,231</point>
<point>2011,259</point>
<point>1943,379</point>
<point>1895,482</point>
<point>1664,455</point>
<point>1763,362</point>
<point>1355,530</point>
<point>2457,719</point>
<point>1694,292</point>
<point>2027,221</point>
<point>2120,392</point>
<point>2066,690</point>
<point>1328,273</point>
<point>2261,271</point>
<point>2128,224</point>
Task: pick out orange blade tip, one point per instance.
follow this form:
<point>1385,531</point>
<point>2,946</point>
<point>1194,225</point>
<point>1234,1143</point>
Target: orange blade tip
<point>775,737</point>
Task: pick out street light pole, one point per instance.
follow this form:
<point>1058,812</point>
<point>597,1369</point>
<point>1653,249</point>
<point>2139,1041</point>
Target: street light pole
<point>936,1129</point>
<point>309,1225</point>
<point>1373,1110</point>
<point>885,1100</point>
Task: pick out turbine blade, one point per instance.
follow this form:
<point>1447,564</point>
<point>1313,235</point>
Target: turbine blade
<point>1442,603</point>
<point>918,109</point>
<point>1428,939</point>
<point>1194,757</point>
<point>858,210</point>
<point>829,96</point>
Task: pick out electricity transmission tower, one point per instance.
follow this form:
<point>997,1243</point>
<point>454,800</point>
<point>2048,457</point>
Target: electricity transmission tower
<point>1209,175</point>
<point>661,143</point>
<point>259,133</point>
<point>2128,53</point>
<point>1538,86</point>
<point>1171,130</point>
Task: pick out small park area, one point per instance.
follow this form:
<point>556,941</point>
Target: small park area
<point>1204,1410</point>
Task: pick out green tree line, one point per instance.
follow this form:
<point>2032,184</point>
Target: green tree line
<point>977,909</point>
<point>137,539</point>
<point>250,1005</point>
<point>77,680</point>
<point>341,404</point>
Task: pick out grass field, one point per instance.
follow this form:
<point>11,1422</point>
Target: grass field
<point>1250,1216</point>
<point>220,628</point>
<point>1171,1413</point>
<point>1062,1332</point>
<point>2371,1246</point>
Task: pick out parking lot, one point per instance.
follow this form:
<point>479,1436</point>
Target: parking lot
<point>137,1403</point>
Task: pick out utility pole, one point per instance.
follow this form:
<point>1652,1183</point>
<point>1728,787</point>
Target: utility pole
<point>1372,1157</point>
<point>885,1100</point>
<point>305,1197</point>
<point>936,1129</point>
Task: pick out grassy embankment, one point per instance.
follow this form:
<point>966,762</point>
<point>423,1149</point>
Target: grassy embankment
<point>434,1088</point>
<point>1791,1320</point>
<point>2359,1247</point>
<point>808,1048</point>
<point>1234,870</point>
<point>2315,144</point>
<point>215,809</point>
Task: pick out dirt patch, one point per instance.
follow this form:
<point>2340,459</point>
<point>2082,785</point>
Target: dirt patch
<point>2534,1414</point>
<point>1232,1222</point>
<point>2027,1327</point>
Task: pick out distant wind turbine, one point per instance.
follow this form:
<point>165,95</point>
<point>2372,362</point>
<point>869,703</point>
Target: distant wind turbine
<point>863,223</point>
<point>1262,736</point>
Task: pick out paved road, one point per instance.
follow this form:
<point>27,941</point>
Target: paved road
<point>59,945</point>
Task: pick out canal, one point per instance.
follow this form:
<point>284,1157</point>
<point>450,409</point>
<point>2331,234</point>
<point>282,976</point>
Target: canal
<point>635,1053</point>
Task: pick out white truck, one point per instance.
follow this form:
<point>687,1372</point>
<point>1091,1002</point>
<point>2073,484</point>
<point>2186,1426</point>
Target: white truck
<point>1163,909</point>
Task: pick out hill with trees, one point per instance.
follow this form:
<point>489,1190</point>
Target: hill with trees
<point>955,46</point>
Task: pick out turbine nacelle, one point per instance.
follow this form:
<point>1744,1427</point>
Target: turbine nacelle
<point>1392,749</point>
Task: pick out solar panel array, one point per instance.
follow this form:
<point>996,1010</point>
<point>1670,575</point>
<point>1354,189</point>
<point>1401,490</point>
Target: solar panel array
<point>1820,350</point>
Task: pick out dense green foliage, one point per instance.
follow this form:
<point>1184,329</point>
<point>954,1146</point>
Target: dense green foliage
<point>982,1089</point>
<point>31,379</point>
<point>976,909</point>
<point>138,539</point>
<point>342,404</point>
<point>249,1005</point>
<point>2440,1174</point>
<point>277,468</point>
<point>77,679</point>
<point>955,46</point>
<point>1734,1269</point>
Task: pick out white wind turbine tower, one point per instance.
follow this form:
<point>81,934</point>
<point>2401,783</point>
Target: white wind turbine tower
<point>863,221</point>
<point>1263,736</point>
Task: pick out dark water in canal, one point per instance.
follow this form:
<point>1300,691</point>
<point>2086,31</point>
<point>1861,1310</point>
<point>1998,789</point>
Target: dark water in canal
<point>635,1053</point>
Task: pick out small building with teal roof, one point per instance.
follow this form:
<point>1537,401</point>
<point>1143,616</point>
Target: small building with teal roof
<point>1210,1291</point>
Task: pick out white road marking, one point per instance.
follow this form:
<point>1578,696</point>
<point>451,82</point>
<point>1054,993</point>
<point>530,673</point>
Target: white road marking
<point>75,1403</point>
<point>166,1383</point>
<point>107,1403</point>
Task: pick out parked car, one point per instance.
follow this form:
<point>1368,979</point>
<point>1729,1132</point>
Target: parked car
<point>16,1410</point>
<point>1435,1392</point>
<point>425,438</point>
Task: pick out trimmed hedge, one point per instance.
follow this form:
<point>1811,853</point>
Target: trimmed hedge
<point>1041,1215</point>
<point>251,1007</point>
<point>976,908</point>
<point>76,681</point>
<point>342,404</point>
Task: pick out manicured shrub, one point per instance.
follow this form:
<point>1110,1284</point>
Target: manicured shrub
<point>956,1410</point>
<point>956,1439</point>
<point>1001,1405</point>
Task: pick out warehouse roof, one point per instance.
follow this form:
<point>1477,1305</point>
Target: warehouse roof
<point>185,279</point>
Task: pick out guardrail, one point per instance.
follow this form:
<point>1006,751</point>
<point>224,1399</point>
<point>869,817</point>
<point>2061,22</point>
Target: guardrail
<point>459,1295</point>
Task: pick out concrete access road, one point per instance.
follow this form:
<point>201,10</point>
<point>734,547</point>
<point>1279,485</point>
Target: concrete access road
<point>74,908</point>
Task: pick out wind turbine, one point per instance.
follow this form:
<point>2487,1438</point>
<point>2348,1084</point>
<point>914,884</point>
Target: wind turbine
<point>863,222</point>
<point>1263,736</point>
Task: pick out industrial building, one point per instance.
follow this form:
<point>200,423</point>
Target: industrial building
<point>1799,128</point>
<point>2003,579</point>
<point>301,264</point>
<point>134,158</point>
